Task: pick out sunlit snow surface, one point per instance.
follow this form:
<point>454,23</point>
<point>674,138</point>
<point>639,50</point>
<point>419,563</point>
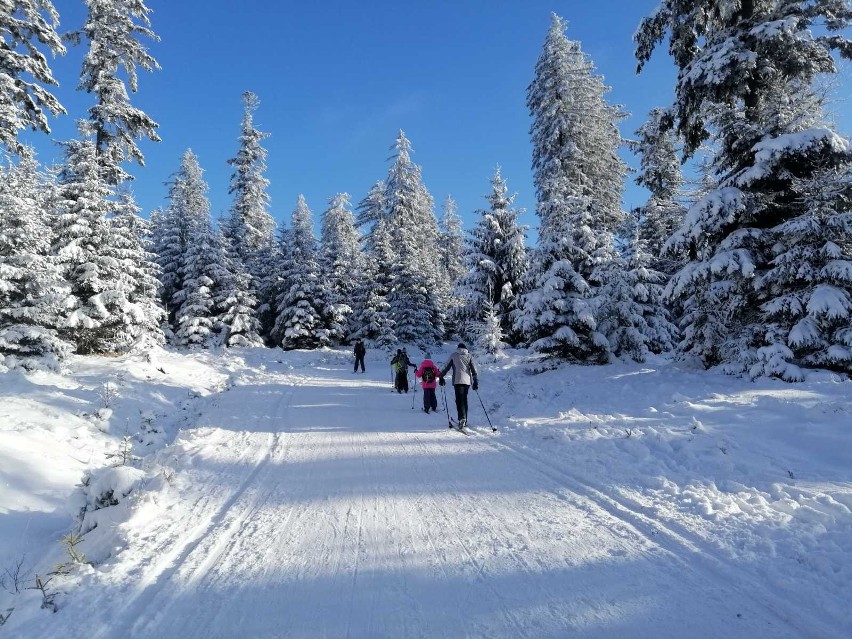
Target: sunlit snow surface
<point>285,496</point>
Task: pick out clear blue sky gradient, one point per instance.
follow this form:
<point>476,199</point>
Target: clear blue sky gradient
<point>338,79</point>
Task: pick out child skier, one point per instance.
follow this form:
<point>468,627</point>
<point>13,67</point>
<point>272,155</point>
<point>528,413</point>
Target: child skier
<point>428,374</point>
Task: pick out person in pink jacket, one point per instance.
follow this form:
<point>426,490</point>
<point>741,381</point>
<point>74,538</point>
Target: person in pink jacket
<point>428,374</point>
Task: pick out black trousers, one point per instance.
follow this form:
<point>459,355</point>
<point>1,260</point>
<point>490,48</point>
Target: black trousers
<point>402,381</point>
<point>359,359</point>
<point>461,401</point>
<point>430,400</point>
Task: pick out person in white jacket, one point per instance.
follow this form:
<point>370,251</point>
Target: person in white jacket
<point>464,377</point>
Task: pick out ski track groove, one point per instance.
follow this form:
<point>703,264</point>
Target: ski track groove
<point>450,525</point>
<point>667,538</point>
<point>211,532</point>
<point>357,565</point>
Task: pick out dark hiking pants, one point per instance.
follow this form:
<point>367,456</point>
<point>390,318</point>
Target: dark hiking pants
<point>359,359</point>
<point>402,381</point>
<point>461,401</point>
<point>430,400</point>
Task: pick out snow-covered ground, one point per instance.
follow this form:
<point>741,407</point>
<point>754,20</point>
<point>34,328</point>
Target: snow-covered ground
<point>280,495</point>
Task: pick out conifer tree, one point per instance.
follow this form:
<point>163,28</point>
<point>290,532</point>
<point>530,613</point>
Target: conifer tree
<point>236,322</point>
<point>341,258</point>
<point>578,178</point>
<point>371,319</point>
<point>488,332</point>
<point>451,269</point>
<point>415,295</point>
<point>660,173</point>
<point>24,72</point>
<point>748,83</point>
<point>139,268</point>
<point>32,290</point>
<point>307,316</point>
<point>496,261</point>
<point>202,275</point>
<point>249,228</point>
<point>372,209</point>
<point>115,52</point>
<point>188,209</point>
<point>103,315</point>
<point>452,247</point>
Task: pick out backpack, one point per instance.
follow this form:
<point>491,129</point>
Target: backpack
<point>429,375</point>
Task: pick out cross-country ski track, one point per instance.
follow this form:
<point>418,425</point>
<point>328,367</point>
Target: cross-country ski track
<point>283,520</point>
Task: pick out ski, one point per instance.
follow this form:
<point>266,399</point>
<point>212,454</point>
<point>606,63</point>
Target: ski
<point>454,426</point>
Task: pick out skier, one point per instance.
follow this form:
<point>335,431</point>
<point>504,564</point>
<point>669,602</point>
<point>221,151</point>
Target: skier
<point>428,374</point>
<point>360,351</point>
<point>464,375</point>
<point>400,363</point>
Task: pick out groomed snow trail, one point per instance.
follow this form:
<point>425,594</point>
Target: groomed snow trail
<point>311,502</point>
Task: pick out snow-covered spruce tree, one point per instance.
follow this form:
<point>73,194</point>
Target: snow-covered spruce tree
<point>636,321</point>
<point>249,228</point>
<point>659,172</point>
<point>138,265</point>
<point>236,323</point>
<point>747,80</point>
<point>112,30</point>
<point>203,273</point>
<point>496,261</point>
<point>809,315</point>
<point>102,317</point>
<point>578,178</point>
<point>341,259</point>
<point>24,71</point>
<point>187,208</point>
<point>416,295</point>
<point>451,248</point>
<point>371,312</point>
<point>307,315</point>
<point>32,290</point>
<point>371,316</point>
<point>488,332</point>
<point>371,209</point>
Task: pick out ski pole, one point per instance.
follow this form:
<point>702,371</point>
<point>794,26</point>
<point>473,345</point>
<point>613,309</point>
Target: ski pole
<point>414,396</point>
<point>485,411</point>
<point>444,395</point>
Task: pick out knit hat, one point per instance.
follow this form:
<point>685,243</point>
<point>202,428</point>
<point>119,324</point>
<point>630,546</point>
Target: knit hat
<point>428,355</point>
<point>462,346</point>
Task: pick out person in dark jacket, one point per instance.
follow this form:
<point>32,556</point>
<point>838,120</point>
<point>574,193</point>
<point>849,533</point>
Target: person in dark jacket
<point>360,351</point>
<point>400,363</point>
<point>464,376</point>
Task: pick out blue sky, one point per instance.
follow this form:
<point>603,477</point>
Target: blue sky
<point>338,79</point>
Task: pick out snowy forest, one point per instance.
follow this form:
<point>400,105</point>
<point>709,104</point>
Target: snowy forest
<point>746,265</point>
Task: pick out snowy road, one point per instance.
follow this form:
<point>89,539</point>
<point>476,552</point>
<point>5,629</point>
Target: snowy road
<point>311,502</point>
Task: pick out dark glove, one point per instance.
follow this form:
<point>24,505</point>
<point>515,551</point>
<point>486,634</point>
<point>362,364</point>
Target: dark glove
<point>475,385</point>
<point>441,381</point>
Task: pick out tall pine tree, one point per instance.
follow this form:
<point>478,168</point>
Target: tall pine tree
<point>415,296</point>
<point>578,178</point>
<point>249,228</point>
